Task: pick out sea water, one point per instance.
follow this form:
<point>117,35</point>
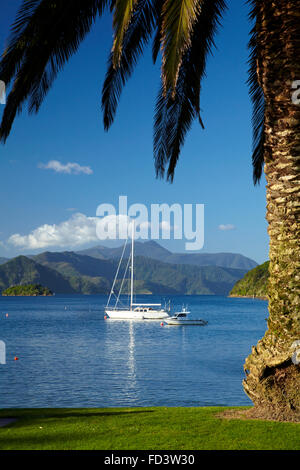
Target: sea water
<point>61,352</point>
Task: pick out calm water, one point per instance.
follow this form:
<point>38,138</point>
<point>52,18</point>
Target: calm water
<point>69,356</point>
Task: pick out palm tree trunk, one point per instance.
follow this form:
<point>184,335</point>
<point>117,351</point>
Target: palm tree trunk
<point>272,376</point>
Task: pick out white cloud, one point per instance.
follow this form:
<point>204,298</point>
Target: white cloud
<point>113,226</point>
<point>226,227</point>
<point>81,230</point>
<point>166,226</point>
<point>2,93</point>
<point>69,168</point>
<point>77,230</point>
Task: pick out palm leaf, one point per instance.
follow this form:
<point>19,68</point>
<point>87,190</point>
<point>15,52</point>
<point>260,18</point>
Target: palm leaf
<point>123,11</point>
<point>179,18</point>
<point>136,37</point>
<point>258,102</point>
<point>21,34</point>
<point>175,113</point>
<point>156,46</point>
<point>45,35</point>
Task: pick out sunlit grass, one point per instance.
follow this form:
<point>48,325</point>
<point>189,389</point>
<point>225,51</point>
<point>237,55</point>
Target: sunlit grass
<point>142,429</point>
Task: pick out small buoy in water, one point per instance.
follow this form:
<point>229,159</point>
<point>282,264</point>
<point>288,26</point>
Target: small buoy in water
<point>105,317</point>
<point>162,323</point>
<point>6,315</point>
<point>16,358</point>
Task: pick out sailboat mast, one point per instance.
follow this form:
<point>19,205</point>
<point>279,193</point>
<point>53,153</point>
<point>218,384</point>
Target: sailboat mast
<point>132,254</point>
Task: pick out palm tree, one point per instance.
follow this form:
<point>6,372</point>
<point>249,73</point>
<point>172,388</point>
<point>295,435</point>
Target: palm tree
<point>47,32</point>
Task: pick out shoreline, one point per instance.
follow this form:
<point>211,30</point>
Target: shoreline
<point>260,297</point>
<point>22,295</point>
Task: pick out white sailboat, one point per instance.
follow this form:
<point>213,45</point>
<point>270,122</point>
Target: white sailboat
<point>135,311</point>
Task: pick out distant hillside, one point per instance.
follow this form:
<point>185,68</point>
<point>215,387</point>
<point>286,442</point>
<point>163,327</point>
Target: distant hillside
<point>70,272</point>
<point>24,271</point>
<point>224,260</point>
<point>3,260</point>
<point>151,249</point>
<point>187,279</point>
<point>254,283</point>
<point>92,275</point>
<point>70,263</point>
<point>85,274</point>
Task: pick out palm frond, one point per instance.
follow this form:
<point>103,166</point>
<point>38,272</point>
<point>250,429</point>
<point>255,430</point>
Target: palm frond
<point>258,101</point>
<point>21,33</point>
<point>156,46</point>
<point>175,113</point>
<point>123,11</point>
<point>179,18</point>
<point>45,35</point>
<point>136,37</point>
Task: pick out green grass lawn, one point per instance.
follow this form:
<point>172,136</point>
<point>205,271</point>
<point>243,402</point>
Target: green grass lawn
<point>142,429</point>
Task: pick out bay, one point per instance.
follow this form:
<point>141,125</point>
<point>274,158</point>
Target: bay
<point>70,356</point>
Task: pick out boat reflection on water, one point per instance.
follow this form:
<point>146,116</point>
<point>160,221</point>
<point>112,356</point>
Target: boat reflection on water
<point>123,347</point>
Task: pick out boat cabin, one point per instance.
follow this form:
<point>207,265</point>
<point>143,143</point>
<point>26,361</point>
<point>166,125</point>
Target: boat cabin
<point>142,309</point>
<point>180,315</point>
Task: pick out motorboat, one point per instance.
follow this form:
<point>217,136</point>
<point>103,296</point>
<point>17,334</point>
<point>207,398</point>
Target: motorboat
<point>181,318</point>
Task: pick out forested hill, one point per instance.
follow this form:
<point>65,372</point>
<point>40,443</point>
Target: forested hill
<point>70,272</point>
<point>24,271</point>
<point>253,284</point>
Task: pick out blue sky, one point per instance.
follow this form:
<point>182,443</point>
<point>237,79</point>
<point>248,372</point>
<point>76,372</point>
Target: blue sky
<point>214,169</point>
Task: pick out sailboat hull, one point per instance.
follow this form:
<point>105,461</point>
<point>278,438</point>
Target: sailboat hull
<point>137,315</point>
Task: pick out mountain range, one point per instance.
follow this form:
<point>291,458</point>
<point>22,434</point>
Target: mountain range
<point>92,271</point>
<point>152,249</point>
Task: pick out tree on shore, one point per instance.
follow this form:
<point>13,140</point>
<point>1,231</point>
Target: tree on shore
<point>32,290</point>
<point>47,32</point>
